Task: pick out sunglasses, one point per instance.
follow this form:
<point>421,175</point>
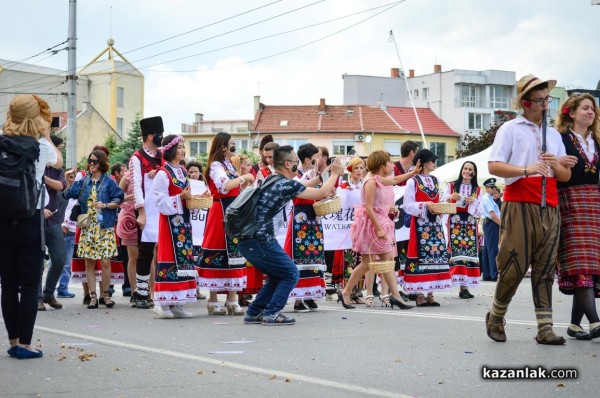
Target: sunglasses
<point>92,161</point>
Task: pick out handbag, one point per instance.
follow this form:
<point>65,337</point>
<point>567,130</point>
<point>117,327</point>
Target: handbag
<point>81,220</point>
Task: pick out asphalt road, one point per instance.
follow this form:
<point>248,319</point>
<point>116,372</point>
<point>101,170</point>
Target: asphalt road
<point>423,352</point>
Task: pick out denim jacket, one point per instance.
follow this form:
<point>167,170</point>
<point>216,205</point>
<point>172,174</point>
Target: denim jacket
<point>109,193</point>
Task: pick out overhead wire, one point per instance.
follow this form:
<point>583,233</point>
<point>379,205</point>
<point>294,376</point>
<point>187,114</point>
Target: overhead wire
<point>67,71</point>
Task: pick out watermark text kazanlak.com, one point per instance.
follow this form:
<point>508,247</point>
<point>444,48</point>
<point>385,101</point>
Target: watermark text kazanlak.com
<point>527,372</point>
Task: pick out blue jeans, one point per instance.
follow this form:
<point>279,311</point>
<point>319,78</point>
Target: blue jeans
<point>65,276</point>
<point>491,232</point>
<point>270,259</point>
<point>55,242</point>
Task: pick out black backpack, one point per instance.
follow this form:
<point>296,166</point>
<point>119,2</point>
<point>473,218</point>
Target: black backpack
<point>19,189</point>
<point>240,216</point>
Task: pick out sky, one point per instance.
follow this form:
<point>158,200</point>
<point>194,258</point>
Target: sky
<point>294,52</point>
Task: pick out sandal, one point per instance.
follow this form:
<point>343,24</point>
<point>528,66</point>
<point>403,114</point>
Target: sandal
<point>369,301</point>
<point>355,299</point>
<point>431,301</point>
<point>107,300</point>
<point>385,300</point>
<point>423,303</point>
<point>93,301</point>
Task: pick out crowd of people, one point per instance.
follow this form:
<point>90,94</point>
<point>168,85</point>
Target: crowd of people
<point>131,225</point>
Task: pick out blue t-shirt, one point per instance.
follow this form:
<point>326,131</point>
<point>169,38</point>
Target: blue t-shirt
<point>271,202</point>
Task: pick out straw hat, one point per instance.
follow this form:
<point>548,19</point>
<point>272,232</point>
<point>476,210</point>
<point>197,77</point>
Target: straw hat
<point>526,84</point>
<point>28,115</point>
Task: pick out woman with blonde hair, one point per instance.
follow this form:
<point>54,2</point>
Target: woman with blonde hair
<point>579,205</point>
<point>26,133</point>
<point>373,231</point>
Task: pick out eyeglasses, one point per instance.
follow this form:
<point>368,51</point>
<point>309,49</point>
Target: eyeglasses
<point>294,161</point>
<point>92,161</point>
<point>540,101</point>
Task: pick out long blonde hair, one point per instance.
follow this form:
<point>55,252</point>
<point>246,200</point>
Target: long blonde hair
<point>28,115</point>
<point>238,161</point>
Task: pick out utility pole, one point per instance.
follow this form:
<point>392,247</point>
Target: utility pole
<point>72,86</point>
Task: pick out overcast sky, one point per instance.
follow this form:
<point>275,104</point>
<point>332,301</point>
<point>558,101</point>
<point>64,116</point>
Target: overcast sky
<point>550,38</point>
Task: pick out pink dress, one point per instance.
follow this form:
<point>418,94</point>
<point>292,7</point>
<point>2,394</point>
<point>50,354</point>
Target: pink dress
<point>363,232</point>
<point>127,228</point>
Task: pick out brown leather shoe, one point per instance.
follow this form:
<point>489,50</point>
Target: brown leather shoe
<point>550,338</point>
<point>495,331</point>
<point>51,301</point>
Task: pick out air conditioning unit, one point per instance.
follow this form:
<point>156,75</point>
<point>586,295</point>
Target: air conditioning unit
<point>359,137</point>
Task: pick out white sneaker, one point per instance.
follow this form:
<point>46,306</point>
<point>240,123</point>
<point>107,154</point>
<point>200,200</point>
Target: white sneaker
<point>178,311</point>
<point>163,311</point>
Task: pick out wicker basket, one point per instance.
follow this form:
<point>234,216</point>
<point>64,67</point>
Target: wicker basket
<point>328,206</point>
<point>199,202</point>
<point>380,267</point>
<point>444,208</point>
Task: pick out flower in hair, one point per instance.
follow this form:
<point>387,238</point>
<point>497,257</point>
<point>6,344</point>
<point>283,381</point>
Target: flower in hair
<point>173,143</point>
<point>566,110</point>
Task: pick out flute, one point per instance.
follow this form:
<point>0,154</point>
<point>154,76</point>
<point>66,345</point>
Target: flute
<point>544,123</point>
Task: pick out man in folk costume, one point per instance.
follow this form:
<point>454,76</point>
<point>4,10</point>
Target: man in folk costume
<point>267,154</point>
<point>530,229</point>
<point>143,165</point>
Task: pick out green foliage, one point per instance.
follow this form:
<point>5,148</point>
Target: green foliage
<point>473,143</point>
<point>254,158</point>
<point>123,150</point>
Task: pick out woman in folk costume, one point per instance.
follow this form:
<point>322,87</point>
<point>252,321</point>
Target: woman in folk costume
<point>198,219</point>
<point>222,267</point>
<point>579,203</point>
<point>175,280</point>
<point>304,239</point>
<point>464,256</point>
<point>427,265</point>
<point>344,261</point>
<point>373,229</point>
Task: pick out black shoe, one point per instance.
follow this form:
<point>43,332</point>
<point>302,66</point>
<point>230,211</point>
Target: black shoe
<point>51,301</point>
<point>404,296</point>
<point>376,293</point>
<point>300,307</point>
<point>132,302</point>
<point>101,301</point>
<point>141,302</point>
<point>412,297</point>
<point>579,334</point>
<point>465,294</point>
<point>395,302</point>
<point>346,306</point>
<point>86,299</point>
<point>311,304</point>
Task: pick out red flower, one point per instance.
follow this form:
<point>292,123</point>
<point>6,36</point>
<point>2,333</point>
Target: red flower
<point>566,110</point>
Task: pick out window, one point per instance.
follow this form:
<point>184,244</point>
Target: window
<point>500,97</point>
<point>240,144</point>
<point>342,147</point>
<point>439,148</point>
<point>120,97</point>
<point>392,147</point>
<point>553,106</point>
<point>479,121</point>
<point>120,126</point>
<point>198,148</point>
<point>296,143</point>
<point>467,95</point>
<point>426,93</point>
<point>416,93</point>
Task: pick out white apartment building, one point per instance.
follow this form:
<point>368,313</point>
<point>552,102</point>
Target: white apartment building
<point>467,100</point>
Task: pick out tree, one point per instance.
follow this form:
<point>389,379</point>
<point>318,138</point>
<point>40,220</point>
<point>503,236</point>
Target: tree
<point>123,150</point>
<point>473,143</point>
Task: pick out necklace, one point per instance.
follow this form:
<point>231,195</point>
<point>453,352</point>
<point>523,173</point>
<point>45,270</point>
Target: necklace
<point>590,166</point>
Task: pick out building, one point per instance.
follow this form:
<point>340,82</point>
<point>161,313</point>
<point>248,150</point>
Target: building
<point>467,100</point>
<point>361,89</point>
<point>199,134</point>
<point>346,129</point>
<point>110,93</point>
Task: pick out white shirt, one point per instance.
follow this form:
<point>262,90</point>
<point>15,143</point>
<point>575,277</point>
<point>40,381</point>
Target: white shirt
<point>587,144</point>
<point>167,205</point>
<point>218,175</point>
<point>519,142</point>
<point>135,169</point>
<point>47,157</point>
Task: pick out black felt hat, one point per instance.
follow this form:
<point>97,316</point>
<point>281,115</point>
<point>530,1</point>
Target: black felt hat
<point>424,155</point>
<point>152,125</point>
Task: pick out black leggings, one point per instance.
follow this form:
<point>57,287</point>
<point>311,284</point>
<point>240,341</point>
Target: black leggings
<point>20,265</point>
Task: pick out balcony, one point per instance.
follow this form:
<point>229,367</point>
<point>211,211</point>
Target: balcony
<point>483,102</point>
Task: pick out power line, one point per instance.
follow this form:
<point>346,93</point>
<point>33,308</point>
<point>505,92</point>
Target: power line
<point>33,56</point>
<point>67,71</point>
